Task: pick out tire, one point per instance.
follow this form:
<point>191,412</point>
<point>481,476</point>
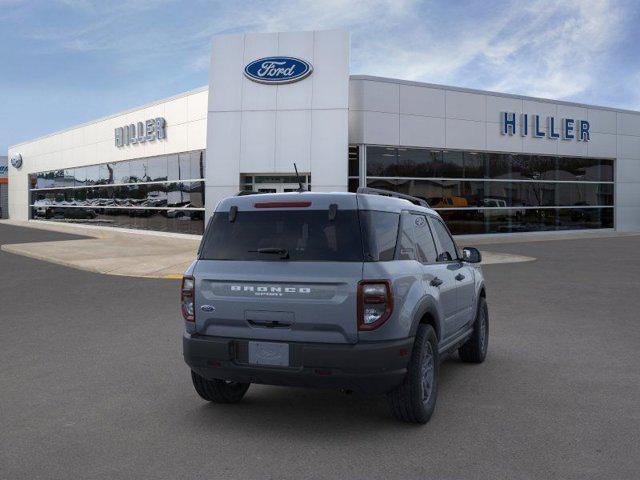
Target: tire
<point>415,400</point>
<point>474,350</point>
<point>219,391</point>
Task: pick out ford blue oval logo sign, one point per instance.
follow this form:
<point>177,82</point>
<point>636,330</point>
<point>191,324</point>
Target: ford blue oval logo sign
<point>16,160</point>
<point>278,70</point>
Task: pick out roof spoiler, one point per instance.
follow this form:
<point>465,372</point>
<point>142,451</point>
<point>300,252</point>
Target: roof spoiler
<point>389,193</point>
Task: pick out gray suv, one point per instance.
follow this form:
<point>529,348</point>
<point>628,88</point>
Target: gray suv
<point>360,292</point>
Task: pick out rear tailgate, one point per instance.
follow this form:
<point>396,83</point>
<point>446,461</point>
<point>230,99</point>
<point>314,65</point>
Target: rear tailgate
<point>277,301</point>
<point>281,267</point>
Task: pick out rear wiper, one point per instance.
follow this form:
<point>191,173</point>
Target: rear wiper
<point>284,254</point>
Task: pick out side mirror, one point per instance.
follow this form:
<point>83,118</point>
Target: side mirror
<point>471,255</point>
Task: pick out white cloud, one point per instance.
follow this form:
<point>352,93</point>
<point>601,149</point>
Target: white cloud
<point>545,49</point>
<point>565,41</point>
<point>540,48</point>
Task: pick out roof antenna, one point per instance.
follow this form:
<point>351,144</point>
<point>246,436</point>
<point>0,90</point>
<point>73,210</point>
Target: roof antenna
<point>301,189</point>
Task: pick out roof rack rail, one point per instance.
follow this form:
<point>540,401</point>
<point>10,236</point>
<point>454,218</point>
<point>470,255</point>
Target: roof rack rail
<point>242,193</point>
<point>389,193</point>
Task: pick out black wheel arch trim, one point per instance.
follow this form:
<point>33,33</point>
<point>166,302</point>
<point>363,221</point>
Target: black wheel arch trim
<point>482,293</point>
<point>427,306</point>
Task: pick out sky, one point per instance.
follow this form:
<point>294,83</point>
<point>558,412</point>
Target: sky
<point>66,62</point>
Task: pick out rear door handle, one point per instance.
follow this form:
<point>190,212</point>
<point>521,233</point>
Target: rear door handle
<point>436,282</point>
<point>460,277</point>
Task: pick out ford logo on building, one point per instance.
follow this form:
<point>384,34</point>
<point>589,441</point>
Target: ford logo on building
<point>278,70</point>
<point>16,160</point>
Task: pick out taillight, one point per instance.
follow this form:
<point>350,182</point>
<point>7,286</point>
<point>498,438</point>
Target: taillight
<point>187,299</point>
<point>375,303</point>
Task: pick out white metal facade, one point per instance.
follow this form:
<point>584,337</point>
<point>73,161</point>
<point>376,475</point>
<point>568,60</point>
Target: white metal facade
<point>258,128</point>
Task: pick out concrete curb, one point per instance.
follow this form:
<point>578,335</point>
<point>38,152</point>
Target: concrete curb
<point>97,231</point>
<point>527,237</point>
<point>15,249</point>
<point>493,258</point>
<point>489,258</point>
<point>136,254</point>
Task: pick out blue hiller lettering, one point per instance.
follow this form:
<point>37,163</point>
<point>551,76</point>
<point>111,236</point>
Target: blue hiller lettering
<point>570,129</point>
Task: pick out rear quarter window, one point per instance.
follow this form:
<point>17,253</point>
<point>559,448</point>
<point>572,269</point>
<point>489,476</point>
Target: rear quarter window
<point>379,234</point>
<point>425,246</point>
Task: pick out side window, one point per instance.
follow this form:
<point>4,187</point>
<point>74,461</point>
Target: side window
<point>380,232</point>
<point>426,249</point>
<point>406,248</point>
<point>447,250</point>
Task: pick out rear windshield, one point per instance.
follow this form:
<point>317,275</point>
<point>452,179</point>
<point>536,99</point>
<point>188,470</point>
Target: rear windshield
<point>297,235</point>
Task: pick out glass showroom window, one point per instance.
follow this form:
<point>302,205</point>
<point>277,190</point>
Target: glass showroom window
<point>354,167</point>
<point>158,193</point>
<point>478,192</point>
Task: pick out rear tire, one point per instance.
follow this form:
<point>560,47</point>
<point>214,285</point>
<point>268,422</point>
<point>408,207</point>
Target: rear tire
<point>415,400</point>
<point>474,350</point>
<point>219,391</point>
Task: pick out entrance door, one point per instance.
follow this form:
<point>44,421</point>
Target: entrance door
<point>273,183</point>
<point>276,187</point>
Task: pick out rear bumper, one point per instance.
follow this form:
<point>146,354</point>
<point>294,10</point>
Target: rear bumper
<point>368,368</point>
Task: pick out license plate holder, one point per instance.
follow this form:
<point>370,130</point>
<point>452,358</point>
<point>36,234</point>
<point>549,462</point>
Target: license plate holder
<point>269,353</point>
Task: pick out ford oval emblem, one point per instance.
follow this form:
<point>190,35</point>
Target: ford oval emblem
<point>278,70</point>
<point>16,160</point>
<point>207,308</point>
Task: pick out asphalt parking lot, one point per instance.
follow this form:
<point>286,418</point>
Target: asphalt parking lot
<point>93,385</point>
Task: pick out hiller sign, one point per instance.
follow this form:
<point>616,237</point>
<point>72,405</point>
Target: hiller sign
<point>525,124</point>
<point>147,131</point>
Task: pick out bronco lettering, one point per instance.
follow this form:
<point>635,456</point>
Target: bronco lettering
<point>269,289</point>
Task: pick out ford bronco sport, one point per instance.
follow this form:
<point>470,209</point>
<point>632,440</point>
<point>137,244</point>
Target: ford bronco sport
<point>355,291</point>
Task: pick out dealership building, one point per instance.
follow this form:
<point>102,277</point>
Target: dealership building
<point>488,162</point>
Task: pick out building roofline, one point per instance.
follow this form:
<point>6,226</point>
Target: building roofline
<point>488,92</point>
<point>117,114</point>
